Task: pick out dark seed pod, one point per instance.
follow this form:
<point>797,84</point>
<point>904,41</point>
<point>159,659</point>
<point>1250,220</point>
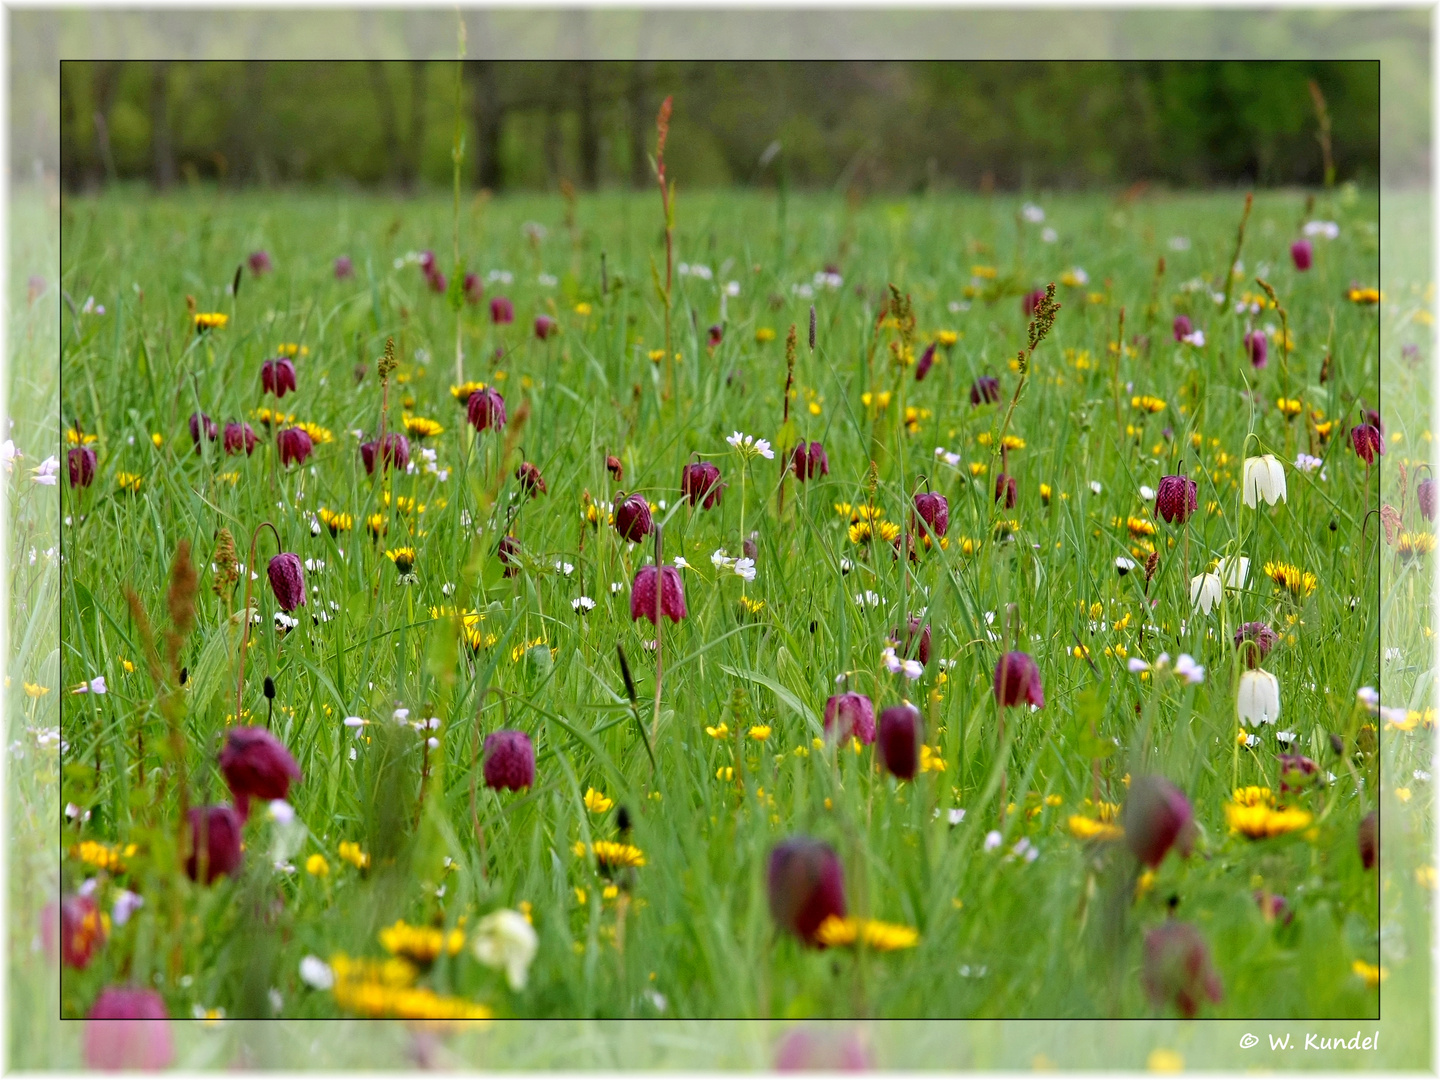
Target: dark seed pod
<point>269,688</point>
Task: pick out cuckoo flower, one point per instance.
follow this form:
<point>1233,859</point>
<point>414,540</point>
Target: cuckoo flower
<point>672,594</point>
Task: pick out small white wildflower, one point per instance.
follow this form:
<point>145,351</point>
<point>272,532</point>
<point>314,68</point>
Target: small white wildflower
<point>582,603</point>
<point>1179,243</point>
<point>316,974</point>
<point>680,563</point>
<point>745,568</point>
<point>1328,229</point>
<point>956,816</point>
<point>1095,486</point>
<point>1032,213</point>
<point>126,904</point>
<point>1187,669</point>
<point>1368,697</point>
<point>1195,338</point>
<point>1048,235</point>
<point>993,839</point>
<point>281,812</point>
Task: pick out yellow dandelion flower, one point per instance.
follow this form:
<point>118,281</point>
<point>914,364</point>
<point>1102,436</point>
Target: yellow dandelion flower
<point>583,309</point>
<point>335,522</point>
<point>947,337</point>
<point>656,355</point>
<point>79,438</point>
<point>839,930</point>
<point>318,435</point>
<point>1413,545</point>
<point>1146,403</point>
<point>931,760</point>
<point>421,944</point>
<point>725,772</point>
<point>764,334</point>
<point>351,853</point>
<point>1084,828</point>
<point>597,802</point>
<point>210,320</point>
<point>102,856</point>
<point>421,427</point>
<point>610,855</point>
<point>989,273</point>
<point>317,866</point>
<point>1359,295</point>
<point>1372,975</point>
<point>403,558</point>
<point>1298,583</point>
<point>760,732</point>
<point>462,392</point>
<point>1261,821</point>
<point>292,350</point>
<point>1290,407</point>
<point>126,481</point>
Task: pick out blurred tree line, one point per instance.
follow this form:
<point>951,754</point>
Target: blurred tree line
<point>870,125</point>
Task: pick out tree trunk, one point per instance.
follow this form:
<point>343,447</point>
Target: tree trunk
<point>589,132</point>
<point>552,142</point>
<point>640,120</point>
<point>104,90</point>
<point>389,125</point>
<point>162,146</point>
<point>414,150</point>
<point>489,123</point>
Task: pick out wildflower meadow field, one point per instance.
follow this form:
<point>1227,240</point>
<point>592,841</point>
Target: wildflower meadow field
<point>1014,652</point>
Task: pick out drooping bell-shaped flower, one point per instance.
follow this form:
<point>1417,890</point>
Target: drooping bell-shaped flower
<point>277,376</point>
<point>344,267</point>
<point>1182,327</point>
<point>1017,679</point>
<point>809,462</point>
<point>672,594</point>
<point>485,409</point>
<point>502,311</point>
<point>1031,301</point>
<point>1258,699</point>
<point>239,438</point>
<point>1178,971</point>
<point>934,510</point>
<point>1367,838</point>
<point>927,359</point>
<point>214,842</point>
<point>474,290</point>
<point>1005,490</point>
<point>259,262</point>
<point>81,462</point>
<point>294,445</point>
<point>202,427</point>
<point>700,483</point>
<point>1206,591</point>
<point>1365,438</point>
<point>1253,641</point>
<point>985,389</point>
<point>632,517</point>
<point>1302,253</point>
<point>1425,496</point>
<point>1175,498</point>
<point>527,474</point>
<point>509,760</point>
<point>806,886</point>
<point>391,452</point>
<point>1264,478</point>
<point>1257,347</point>
<point>899,740</point>
<point>128,1029</point>
<point>544,326</point>
<point>287,579</point>
<point>256,765</point>
<point>1157,817</point>
<point>848,715</point>
<point>82,931</point>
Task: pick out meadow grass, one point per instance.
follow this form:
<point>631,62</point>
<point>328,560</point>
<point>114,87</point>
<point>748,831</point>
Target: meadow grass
<point>1015,916</point>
